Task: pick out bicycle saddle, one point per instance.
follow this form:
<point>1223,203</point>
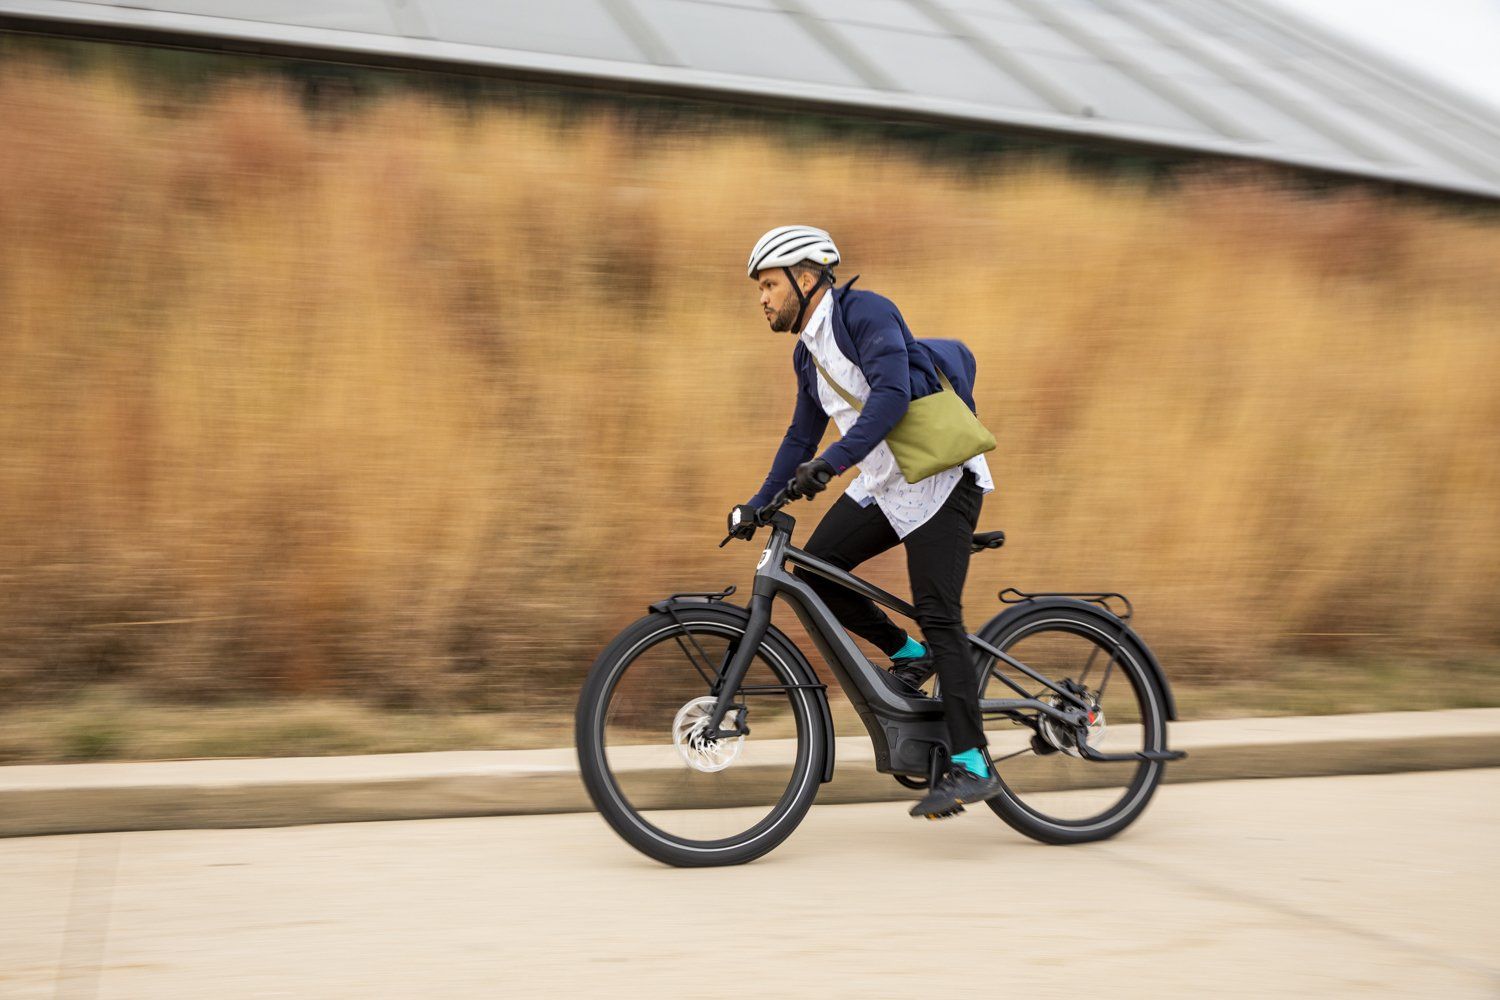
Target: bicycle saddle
<point>988,540</point>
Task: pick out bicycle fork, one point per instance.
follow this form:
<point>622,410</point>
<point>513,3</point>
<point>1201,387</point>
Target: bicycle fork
<point>728,683</point>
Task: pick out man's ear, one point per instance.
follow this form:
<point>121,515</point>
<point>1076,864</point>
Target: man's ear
<point>806,280</point>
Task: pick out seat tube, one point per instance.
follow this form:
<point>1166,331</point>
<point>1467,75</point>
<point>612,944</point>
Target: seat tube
<point>739,664</point>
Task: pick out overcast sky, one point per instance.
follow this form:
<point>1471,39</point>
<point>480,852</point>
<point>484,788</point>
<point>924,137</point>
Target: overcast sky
<point>1456,41</point>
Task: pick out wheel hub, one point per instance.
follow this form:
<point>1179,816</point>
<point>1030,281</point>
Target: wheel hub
<point>1065,738</point>
<point>698,751</point>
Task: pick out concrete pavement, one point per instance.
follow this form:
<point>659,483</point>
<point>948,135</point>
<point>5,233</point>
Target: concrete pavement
<point>1379,886</point>
<point>73,798</point>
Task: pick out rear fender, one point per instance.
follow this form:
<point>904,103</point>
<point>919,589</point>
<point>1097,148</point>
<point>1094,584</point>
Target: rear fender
<point>999,624</point>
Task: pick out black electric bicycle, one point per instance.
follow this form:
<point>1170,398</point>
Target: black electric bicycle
<point>665,717</point>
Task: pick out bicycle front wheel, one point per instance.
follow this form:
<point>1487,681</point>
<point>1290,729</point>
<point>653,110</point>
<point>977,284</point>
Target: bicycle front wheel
<point>664,787</point>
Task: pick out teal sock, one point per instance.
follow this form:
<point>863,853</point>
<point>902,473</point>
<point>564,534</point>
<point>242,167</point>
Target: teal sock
<point>911,650</point>
<point>974,761</point>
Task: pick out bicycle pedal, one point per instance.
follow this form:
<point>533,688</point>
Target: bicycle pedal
<point>945,815</point>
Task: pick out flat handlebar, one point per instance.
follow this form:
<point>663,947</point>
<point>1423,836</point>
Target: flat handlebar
<point>783,496</point>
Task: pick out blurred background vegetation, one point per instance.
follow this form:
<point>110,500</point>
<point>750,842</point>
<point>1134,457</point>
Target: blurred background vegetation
<point>358,411</point>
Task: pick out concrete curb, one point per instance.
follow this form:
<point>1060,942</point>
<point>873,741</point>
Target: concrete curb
<point>91,798</point>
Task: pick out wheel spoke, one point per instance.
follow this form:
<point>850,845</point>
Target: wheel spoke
<point>1105,683</point>
<point>1083,678</point>
<point>694,659</point>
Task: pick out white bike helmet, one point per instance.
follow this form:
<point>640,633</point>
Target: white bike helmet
<point>788,245</point>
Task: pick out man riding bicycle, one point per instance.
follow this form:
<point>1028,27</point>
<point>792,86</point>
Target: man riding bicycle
<point>857,363</point>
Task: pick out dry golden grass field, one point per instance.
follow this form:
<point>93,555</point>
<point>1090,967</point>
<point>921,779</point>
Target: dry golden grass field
<point>417,406</point>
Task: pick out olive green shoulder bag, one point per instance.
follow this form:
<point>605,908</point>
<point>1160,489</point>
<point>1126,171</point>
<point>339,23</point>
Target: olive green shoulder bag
<point>938,431</point>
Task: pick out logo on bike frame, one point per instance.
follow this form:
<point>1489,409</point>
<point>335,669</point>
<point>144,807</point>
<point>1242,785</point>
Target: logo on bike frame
<point>765,557</point>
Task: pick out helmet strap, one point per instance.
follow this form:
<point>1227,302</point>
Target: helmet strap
<point>803,298</point>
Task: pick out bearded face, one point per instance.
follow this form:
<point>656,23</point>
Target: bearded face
<point>782,319</point>
<point>778,300</point>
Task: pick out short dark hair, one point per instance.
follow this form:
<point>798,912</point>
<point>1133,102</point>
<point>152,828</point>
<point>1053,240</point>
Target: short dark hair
<point>808,267</point>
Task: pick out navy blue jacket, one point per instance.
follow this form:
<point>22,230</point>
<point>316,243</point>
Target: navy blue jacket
<point>869,329</point>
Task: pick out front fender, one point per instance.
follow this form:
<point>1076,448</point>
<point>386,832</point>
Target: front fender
<point>998,625</point>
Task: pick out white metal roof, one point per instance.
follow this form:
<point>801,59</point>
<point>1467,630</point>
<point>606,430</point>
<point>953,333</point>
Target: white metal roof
<point>1236,77</point>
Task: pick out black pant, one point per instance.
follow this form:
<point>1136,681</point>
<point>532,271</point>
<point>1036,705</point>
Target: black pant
<point>937,559</point>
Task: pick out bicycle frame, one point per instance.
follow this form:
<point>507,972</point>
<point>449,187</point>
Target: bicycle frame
<point>903,730</point>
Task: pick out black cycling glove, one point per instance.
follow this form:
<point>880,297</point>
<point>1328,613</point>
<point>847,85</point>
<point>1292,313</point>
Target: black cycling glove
<point>743,521</point>
<point>813,477</point>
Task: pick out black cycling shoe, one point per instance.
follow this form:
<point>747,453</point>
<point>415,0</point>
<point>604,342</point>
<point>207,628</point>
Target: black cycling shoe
<point>958,787</point>
<point>911,673</point>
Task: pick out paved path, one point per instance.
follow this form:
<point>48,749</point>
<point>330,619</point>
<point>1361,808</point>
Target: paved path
<point>1312,887</point>
<point>294,791</point>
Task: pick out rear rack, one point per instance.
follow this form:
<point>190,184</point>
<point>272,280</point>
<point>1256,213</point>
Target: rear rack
<point>1010,595</point>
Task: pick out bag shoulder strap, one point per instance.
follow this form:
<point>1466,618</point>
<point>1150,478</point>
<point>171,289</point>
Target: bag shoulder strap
<point>849,397</point>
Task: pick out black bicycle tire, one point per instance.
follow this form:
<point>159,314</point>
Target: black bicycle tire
<point>614,807</point>
<point>1026,820</point>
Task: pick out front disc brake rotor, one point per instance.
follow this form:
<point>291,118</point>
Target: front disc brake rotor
<point>699,752</point>
<point>1065,738</point>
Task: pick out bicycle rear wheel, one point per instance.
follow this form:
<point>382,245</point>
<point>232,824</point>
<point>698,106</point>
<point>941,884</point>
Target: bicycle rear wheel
<point>1050,792</point>
<point>671,793</point>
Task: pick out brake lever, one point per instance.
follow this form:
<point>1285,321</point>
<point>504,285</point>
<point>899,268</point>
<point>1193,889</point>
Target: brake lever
<point>779,501</point>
